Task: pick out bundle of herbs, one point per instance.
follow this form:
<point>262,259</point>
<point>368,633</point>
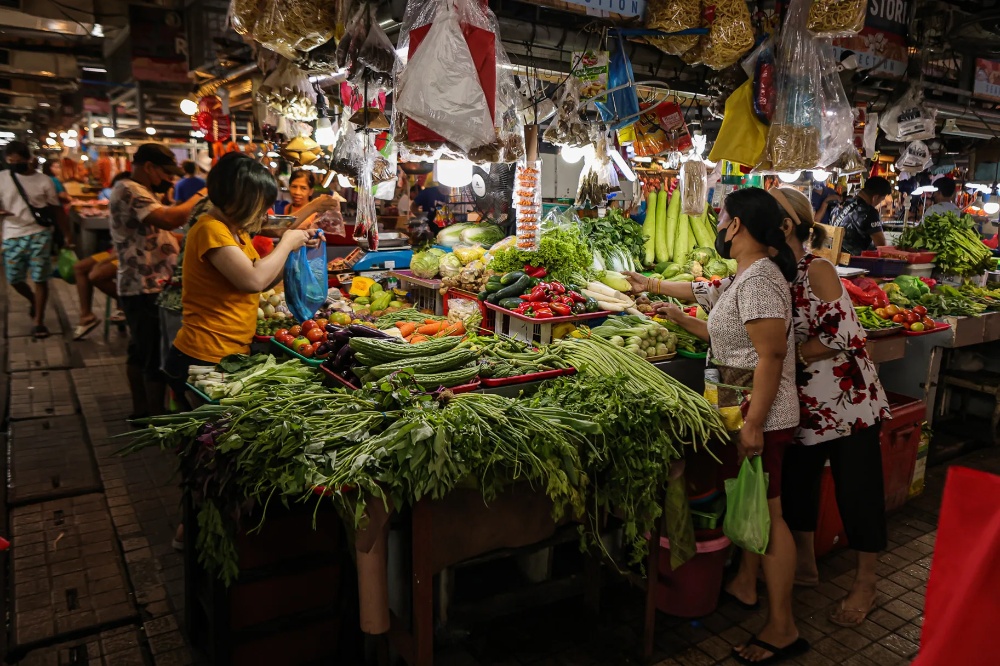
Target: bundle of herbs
<point>960,250</point>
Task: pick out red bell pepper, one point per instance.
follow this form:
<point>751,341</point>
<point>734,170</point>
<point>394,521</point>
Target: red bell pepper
<point>535,271</point>
<point>577,297</point>
<point>557,288</point>
<point>542,312</point>
<point>538,293</point>
<point>561,309</point>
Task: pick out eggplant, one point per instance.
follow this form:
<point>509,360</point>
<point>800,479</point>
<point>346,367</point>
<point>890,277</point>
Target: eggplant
<point>368,332</point>
<point>343,358</point>
<point>333,328</point>
<point>341,337</point>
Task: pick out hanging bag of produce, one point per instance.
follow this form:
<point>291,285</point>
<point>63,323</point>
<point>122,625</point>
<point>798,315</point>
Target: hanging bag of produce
<point>447,87</point>
<point>793,141</point>
<point>285,26</point>
<point>747,522</point>
<point>838,116</point>
<point>742,136</point>
<point>305,281</point>
<point>730,34</point>
<point>288,92</point>
<point>837,18</point>
<point>622,106</point>
<point>694,186</point>
<point>673,16</point>
<point>908,119</point>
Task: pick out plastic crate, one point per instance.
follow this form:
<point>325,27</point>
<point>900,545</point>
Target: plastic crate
<point>909,256</point>
<point>424,294</point>
<point>877,266</point>
<point>201,394</point>
<point>489,318</point>
<point>900,440</point>
<point>537,331</point>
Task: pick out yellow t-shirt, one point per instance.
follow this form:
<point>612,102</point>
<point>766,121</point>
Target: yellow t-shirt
<point>219,319</point>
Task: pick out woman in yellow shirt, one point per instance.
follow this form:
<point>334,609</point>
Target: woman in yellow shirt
<point>223,274</point>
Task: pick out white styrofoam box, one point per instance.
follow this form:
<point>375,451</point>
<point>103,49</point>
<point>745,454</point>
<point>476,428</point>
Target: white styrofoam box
<point>919,270</point>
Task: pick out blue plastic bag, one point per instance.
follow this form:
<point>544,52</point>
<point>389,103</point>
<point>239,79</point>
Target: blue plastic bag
<point>622,107</point>
<point>305,281</point>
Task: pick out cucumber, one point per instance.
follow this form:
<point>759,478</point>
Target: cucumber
<point>447,379</point>
<point>511,278</point>
<point>515,289</point>
<point>492,287</point>
<point>649,229</point>
<point>510,303</point>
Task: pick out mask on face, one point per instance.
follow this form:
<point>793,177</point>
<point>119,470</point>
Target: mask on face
<point>162,187</point>
<point>723,246</point>
<point>20,168</point>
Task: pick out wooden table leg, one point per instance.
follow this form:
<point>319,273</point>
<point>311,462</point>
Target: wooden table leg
<point>652,572</point>
<point>423,585</point>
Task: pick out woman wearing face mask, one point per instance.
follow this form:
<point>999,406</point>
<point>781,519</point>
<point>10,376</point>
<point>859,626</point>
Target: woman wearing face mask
<point>750,331</point>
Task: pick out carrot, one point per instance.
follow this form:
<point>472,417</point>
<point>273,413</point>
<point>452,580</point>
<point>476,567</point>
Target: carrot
<point>418,338</point>
<point>432,321</point>
<point>458,328</point>
<point>430,328</point>
<point>406,328</point>
<point>701,279</point>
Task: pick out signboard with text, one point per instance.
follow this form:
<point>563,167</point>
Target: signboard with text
<point>987,82</point>
<point>159,45</point>
<point>881,45</point>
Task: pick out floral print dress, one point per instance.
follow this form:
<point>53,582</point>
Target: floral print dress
<point>842,394</point>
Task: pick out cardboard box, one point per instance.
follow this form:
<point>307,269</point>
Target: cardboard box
<point>966,331</point>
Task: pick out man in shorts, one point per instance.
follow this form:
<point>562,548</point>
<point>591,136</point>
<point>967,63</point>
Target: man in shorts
<point>101,271</point>
<point>27,245</point>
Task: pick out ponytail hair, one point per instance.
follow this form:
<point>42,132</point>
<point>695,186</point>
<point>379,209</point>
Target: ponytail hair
<point>761,215</point>
<point>806,229</point>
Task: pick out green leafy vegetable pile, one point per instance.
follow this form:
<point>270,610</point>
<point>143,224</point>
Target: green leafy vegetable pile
<point>616,239</point>
<point>563,252</point>
<point>960,250</point>
<point>948,301</point>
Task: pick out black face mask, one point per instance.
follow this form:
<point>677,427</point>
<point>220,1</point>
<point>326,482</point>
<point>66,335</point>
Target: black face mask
<point>722,246</point>
<point>162,187</point>
<point>20,168</point>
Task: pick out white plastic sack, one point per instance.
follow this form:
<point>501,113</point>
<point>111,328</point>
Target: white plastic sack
<point>871,134</point>
<point>439,87</point>
<point>908,119</point>
<point>915,158</point>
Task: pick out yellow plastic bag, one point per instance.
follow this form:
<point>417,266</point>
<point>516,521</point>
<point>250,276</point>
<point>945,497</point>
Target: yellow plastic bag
<point>742,137</point>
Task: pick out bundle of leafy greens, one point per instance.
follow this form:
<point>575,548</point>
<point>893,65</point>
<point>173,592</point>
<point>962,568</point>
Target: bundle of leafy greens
<point>960,250</point>
<point>562,251</point>
<point>616,240</point>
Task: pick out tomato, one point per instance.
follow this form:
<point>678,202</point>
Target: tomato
<point>907,325</point>
<point>280,332</point>
<point>299,342</point>
<point>899,319</point>
<point>912,318</point>
<point>920,310</point>
<point>916,327</point>
<point>340,318</point>
<point>307,350</point>
<point>308,325</point>
<point>285,339</point>
<point>316,335</point>
<point>928,323</point>
<point>892,310</point>
<point>295,331</point>
<point>880,312</point>
<point>321,323</point>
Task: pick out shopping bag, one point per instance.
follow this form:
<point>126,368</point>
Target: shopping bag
<point>622,106</point>
<point>748,522</point>
<point>64,264</point>
<point>962,607</point>
<point>305,281</point>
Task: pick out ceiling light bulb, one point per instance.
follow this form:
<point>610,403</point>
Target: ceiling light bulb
<point>789,177</point>
<point>84,158</point>
<point>822,175</point>
<point>274,165</point>
<point>41,160</point>
<point>189,107</point>
<point>151,130</point>
<point>72,133</point>
<point>453,173</point>
<point>70,143</point>
<point>324,134</point>
<point>991,207</point>
<point>246,138</point>
<point>572,154</point>
<point>52,134</point>
<point>50,141</point>
<point>108,132</point>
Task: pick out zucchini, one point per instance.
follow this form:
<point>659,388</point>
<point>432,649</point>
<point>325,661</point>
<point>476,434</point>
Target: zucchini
<point>447,379</point>
<point>385,351</point>
<point>494,286</point>
<point>483,295</point>
<point>511,278</point>
<point>427,364</point>
<point>510,303</point>
<point>515,289</point>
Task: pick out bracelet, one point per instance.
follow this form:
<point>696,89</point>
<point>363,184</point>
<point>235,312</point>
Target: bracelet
<point>798,352</point>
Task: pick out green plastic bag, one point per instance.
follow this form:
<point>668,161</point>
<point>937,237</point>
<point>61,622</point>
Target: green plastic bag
<point>748,522</point>
<point>67,258</point>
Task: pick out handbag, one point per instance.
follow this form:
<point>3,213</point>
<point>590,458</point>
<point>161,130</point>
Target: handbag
<point>44,216</point>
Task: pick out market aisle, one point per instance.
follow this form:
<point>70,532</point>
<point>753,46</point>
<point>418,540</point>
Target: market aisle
<point>92,557</point>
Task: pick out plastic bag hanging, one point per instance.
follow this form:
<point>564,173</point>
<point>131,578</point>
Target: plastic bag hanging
<point>694,186</point>
<point>673,16</point>
<point>793,142</point>
<point>622,106</point>
<point>837,18</point>
<point>748,522</point>
<point>837,114</point>
<point>305,281</point>
<point>908,119</point>
<point>915,158</point>
<point>730,35</point>
<point>288,92</point>
<point>286,26</point>
<point>439,87</point>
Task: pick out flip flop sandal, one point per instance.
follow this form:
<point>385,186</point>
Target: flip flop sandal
<point>844,609</point>
<point>797,648</point>
<point>728,596</point>
<point>40,332</point>
<point>81,331</point>
<point>118,317</point>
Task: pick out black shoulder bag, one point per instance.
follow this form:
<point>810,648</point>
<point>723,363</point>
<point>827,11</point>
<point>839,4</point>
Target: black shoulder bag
<point>44,216</point>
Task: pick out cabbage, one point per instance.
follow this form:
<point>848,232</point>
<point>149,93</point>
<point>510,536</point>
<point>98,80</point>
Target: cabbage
<point>449,265</point>
<point>484,234</point>
<point>425,264</point>
<point>716,267</point>
<point>731,263</point>
<point>452,236</point>
<point>702,255</point>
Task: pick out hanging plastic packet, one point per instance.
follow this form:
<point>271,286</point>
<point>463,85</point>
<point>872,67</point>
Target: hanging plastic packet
<point>764,82</point>
<point>916,157</point>
<point>621,108</point>
<point>870,135</point>
<point>908,119</point>
<point>288,92</point>
<point>850,162</point>
<point>730,34</point>
<point>567,127</point>
<point>290,26</point>
<point>348,154</point>
<point>535,107</point>
<point>693,186</point>
<point>673,16</point>
<point>837,113</point>
<point>793,141</point>
<point>305,281</point>
<point>837,18</point>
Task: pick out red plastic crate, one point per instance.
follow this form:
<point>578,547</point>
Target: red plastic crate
<point>909,256</point>
<point>900,441</point>
<point>488,321</point>
<point>524,379</point>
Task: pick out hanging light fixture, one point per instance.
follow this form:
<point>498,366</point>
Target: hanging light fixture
<point>150,130</point>
<point>821,175</point>
<point>572,154</point>
<point>787,177</point>
<point>108,132</point>
<point>69,143</point>
<point>324,135</point>
<point>189,107</point>
<point>453,173</point>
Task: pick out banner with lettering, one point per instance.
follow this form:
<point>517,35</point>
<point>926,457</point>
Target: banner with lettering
<point>881,45</point>
<point>987,83</point>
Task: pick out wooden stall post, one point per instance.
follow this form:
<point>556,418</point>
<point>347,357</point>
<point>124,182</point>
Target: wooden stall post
<point>831,249</point>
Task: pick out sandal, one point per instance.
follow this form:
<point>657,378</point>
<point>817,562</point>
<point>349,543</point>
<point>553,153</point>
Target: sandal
<point>40,332</point>
<point>118,317</point>
<point>798,647</point>
<point>843,609</point>
<point>81,331</point>
<point>729,596</point>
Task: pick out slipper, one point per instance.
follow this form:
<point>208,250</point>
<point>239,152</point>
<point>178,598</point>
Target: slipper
<point>843,609</point>
<point>81,331</point>
<point>799,647</point>
<point>40,332</point>
<point>739,602</point>
<point>118,317</point>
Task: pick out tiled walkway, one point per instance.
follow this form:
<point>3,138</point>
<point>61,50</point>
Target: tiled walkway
<point>91,577</point>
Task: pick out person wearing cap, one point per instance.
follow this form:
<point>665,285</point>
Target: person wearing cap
<point>943,199</point>
<point>147,253</point>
